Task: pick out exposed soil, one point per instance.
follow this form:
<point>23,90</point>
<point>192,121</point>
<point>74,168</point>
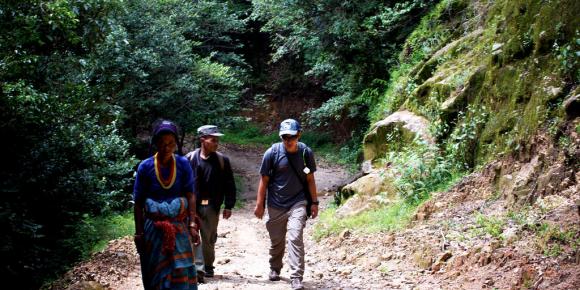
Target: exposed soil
<point>444,248</point>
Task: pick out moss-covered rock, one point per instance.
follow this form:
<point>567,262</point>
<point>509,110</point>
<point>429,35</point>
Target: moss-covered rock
<point>489,83</point>
<point>370,191</point>
<point>395,132</point>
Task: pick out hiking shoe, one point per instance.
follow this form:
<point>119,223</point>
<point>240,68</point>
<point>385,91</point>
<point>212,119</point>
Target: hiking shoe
<point>200,279</point>
<point>209,272</point>
<point>296,284</point>
<point>274,276</point>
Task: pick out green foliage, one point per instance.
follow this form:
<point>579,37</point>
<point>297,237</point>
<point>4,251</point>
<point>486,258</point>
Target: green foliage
<point>37,35</point>
<point>246,133</point>
<point>482,103</point>
<point>63,163</point>
<point>550,239</point>
<point>553,241</point>
<point>349,154</point>
<point>389,218</point>
<point>80,78</point>
<point>490,225</point>
<point>461,145</point>
<point>569,56</point>
<point>160,61</point>
<point>422,42</point>
<point>343,44</point>
<point>214,27</point>
<point>317,140</point>
<point>93,233</point>
<point>322,143</point>
<point>420,170</point>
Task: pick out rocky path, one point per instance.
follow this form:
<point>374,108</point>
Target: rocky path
<point>242,246</point>
<point>447,245</point>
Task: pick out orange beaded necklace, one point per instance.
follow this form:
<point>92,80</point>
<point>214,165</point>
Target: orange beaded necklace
<point>168,182</point>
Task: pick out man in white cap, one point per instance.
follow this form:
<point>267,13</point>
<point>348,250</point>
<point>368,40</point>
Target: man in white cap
<point>288,177</point>
<point>215,185</point>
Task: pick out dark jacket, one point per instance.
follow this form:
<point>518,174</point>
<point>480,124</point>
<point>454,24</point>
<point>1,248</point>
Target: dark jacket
<point>212,182</point>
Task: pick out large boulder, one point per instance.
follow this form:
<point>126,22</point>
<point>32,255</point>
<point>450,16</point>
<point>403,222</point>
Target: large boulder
<point>457,99</point>
<point>394,133</point>
<point>368,192</point>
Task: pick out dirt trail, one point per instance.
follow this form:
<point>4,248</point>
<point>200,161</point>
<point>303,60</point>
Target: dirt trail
<point>444,247</point>
<point>242,245</point>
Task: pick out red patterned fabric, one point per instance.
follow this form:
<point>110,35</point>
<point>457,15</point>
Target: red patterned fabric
<point>168,228</point>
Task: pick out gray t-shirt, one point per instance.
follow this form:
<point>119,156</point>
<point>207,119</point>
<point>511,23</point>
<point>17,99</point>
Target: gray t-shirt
<point>285,188</point>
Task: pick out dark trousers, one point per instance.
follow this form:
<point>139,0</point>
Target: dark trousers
<point>205,251</point>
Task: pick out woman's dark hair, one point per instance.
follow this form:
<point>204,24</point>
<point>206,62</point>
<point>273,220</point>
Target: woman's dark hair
<point>162,127</point>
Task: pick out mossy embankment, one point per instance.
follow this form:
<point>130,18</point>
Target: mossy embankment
<point>487,75</point>
<point>472,157</point>
<point>476,82</point>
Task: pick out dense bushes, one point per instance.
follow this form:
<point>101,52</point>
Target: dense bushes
<point>61,164</point>
<point>79,81</point>
<point>350,45</point>
<point>171,58</point>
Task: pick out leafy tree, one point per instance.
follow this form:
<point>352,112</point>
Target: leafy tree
<point>77,79</point>
<point>64,157</point>
<point>63,164</point>
<point>349,44</point>
<point>171,59</point>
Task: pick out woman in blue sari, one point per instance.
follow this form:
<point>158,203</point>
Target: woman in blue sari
<point>165,223</point>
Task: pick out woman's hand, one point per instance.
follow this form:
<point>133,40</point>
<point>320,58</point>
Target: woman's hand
<point>194,226</point>
<point>194,233</point>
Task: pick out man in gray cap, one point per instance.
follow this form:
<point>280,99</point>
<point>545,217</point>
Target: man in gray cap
<point>214,181</point>
<point>288,178</point>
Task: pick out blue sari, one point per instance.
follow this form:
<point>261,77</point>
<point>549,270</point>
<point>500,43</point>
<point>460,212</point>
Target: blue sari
<point>167,257</point>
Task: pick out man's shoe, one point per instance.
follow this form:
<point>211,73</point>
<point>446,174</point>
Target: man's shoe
<point>200,279</point>
<point>296,284</point>
<point>274,275</point>
<point>209,272</point>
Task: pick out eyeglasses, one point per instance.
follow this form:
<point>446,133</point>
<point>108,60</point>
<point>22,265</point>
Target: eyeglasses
<point>289,137</point>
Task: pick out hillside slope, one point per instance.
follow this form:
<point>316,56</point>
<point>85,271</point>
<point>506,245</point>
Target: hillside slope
<point>488,75</point>
<point>486,98</point>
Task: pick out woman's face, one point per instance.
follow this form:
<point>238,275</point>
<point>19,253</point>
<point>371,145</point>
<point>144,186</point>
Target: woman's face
<point>166,144</point>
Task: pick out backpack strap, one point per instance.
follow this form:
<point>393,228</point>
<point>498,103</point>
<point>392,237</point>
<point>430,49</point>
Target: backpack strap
<point>196,154</point>
<point>220,157</point>
<point>304,183</point>
<point>191,156</point>
<point>304,155</point>
<point>273,157</point>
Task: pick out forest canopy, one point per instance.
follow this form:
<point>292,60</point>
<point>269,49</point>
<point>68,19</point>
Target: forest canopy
<point>82,80</point>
